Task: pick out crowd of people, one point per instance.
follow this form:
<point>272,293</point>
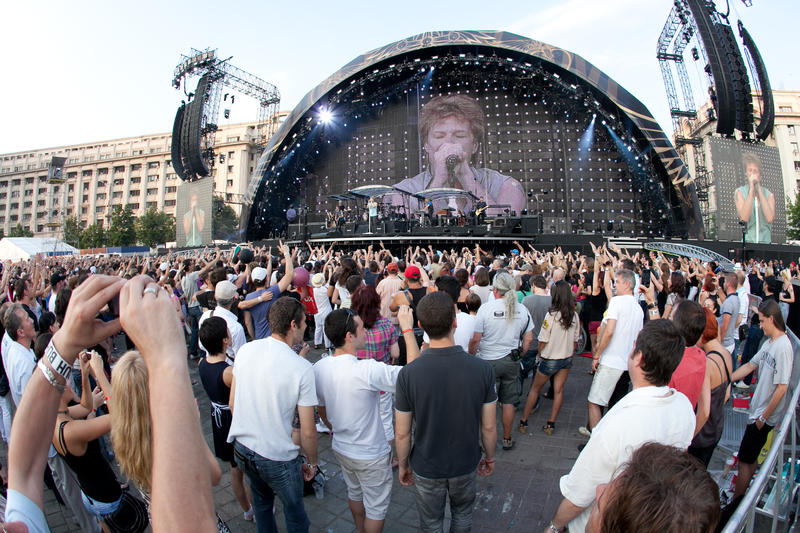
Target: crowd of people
<point>417,349</point>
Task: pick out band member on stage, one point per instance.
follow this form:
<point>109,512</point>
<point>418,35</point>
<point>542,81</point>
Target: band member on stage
<point>339,215</point>
<point>372,206</point>
<point>480,211</point>
<point>453,128</point>
<point>429,208</point>
<point>754,203</point>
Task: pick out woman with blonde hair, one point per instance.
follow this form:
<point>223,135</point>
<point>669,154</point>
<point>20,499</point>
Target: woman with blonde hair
<point>131,428</point>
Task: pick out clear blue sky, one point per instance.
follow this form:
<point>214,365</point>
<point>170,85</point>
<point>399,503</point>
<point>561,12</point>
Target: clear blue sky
<point>92,70</point>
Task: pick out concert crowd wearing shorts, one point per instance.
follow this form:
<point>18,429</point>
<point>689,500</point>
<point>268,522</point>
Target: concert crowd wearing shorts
<point>421,364</point>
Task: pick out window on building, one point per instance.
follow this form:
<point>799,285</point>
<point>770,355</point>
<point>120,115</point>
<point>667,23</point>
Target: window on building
<point>117,195</point>
<point>99,209</point>
<point>795,149</point>
<point>136,166</point>
<point>101,184</point>
<point>153,164</point>
<point>86,173</point>
<point>232,139</point>
<point>119,169</point>
<point>136,180</point>
<point>101,196</point>
<point>85,186</point>
<point>785,108</point>
<point>102,171</point>
<point>797,166</point>
<point>39,228</point>
<point>71,187</point>
<point>171,189</point>
<point>169,203</point>
<point>13,218</point>
<point>134,206</point>
<point>230,168</point>
<point>41,203</point>
<point>28,192</point>
<point>152,191</point>
<point>230,183</point>
<point>27,204</point>
<point>26,216</point>
<point>84,210</point>
<point>16,182</point>
<point>28,181</point>
<point>135,192</point>
<point>790,129</point>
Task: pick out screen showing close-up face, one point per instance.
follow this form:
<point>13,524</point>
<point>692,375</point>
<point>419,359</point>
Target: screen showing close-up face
<point>749,192</point>
<point>193,213</point>
<point>517,152</point>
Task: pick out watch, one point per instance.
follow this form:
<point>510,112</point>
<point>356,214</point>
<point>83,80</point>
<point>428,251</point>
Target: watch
<point>762,419</point>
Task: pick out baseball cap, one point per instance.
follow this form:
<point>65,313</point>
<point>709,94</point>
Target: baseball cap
<point>412,272</point>
<point>225,290</point>
<point>527,268</point>
<point>163,266</point>
<point>259,274</point>
<point>392,267</point>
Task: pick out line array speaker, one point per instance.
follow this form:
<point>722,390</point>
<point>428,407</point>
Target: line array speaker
<point>175,151</point>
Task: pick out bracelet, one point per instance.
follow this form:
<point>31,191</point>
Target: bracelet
<point>554,529</point>
<point>57,362</point>
<point>406,331</point>
<point>488,460</point>
<point>50,376</point>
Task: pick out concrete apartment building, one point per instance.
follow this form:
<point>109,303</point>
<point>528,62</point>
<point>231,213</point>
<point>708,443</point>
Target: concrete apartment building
<point>134,171</point>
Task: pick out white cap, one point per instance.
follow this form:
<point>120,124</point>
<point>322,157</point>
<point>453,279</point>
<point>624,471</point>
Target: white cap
<point>93,269</point>
<point>164,266</point>
<point>737,266</point>
<point>259,274</point>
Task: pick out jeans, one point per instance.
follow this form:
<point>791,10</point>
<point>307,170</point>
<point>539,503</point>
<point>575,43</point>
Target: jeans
<point>268,478</point>
<point>192,318</point>
<point>431,494</point>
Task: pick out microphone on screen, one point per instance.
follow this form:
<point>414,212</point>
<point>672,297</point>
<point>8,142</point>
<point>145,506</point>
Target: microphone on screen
<point>452,162</point>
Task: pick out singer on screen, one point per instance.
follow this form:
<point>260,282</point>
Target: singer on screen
<point>452,128</point>
<point>755,205</point>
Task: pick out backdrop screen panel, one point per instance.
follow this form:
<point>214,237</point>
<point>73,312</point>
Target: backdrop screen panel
<point>525,150</point>
<point>194,215</point>
<point>759,210</point>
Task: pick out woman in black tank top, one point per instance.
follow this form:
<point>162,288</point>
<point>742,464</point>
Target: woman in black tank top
<point>76,440</point>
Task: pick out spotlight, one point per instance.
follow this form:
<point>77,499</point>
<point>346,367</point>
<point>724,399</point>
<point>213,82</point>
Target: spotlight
<point>325,116</point>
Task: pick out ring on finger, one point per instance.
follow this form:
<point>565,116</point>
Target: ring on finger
<point>151,290</point>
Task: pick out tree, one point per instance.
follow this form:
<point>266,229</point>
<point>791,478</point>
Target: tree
<point>226,222</point>
<point>793,217</point>
<point>155,227</point>
<point>72,231</point>
<point>19,231</point>
<point>122,231</point>
<point>93,237</point>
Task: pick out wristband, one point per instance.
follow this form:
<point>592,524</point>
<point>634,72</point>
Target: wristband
<point>488,460</point>
<point>50,376</point>
<point>406,331</point>
<point>57,362</point>
<point>554,529</point>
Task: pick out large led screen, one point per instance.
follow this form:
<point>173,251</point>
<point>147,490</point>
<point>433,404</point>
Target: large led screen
<point>749,191</point>
<point>193,213</point>
<point>518,150</point>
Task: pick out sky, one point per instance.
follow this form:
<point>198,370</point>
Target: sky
<point>97,70</point>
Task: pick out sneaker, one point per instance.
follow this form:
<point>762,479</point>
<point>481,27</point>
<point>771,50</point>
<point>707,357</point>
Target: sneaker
<point>508,444</point>
<point>523,426</point>
<point>250,515</point>
<point>741,385</point>
<point>586,432</point>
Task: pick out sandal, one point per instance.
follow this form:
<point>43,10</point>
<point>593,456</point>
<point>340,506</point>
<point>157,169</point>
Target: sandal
<point>508,444</point>
<point>523,426</point>
<point>549,427</point>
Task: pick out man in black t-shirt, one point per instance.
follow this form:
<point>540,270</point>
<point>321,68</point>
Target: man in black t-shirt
<point>450,395</point>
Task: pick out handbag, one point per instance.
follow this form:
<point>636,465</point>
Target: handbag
<point>516,354</point>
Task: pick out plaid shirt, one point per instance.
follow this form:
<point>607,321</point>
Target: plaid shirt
<point>379,338</point>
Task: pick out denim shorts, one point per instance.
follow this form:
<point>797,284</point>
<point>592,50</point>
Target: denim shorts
<point>550,367</point>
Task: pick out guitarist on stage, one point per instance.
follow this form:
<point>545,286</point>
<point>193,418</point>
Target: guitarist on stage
<point>480,211</point>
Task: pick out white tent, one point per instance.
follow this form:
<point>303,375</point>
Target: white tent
<point>23,248</point>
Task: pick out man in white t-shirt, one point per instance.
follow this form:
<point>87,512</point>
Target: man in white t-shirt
<point>465,323</point>
<point>651,412</point>
<point>623,321</point>
<point>270,382</point>
<point>348,391</point>
<point>499,326</point>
